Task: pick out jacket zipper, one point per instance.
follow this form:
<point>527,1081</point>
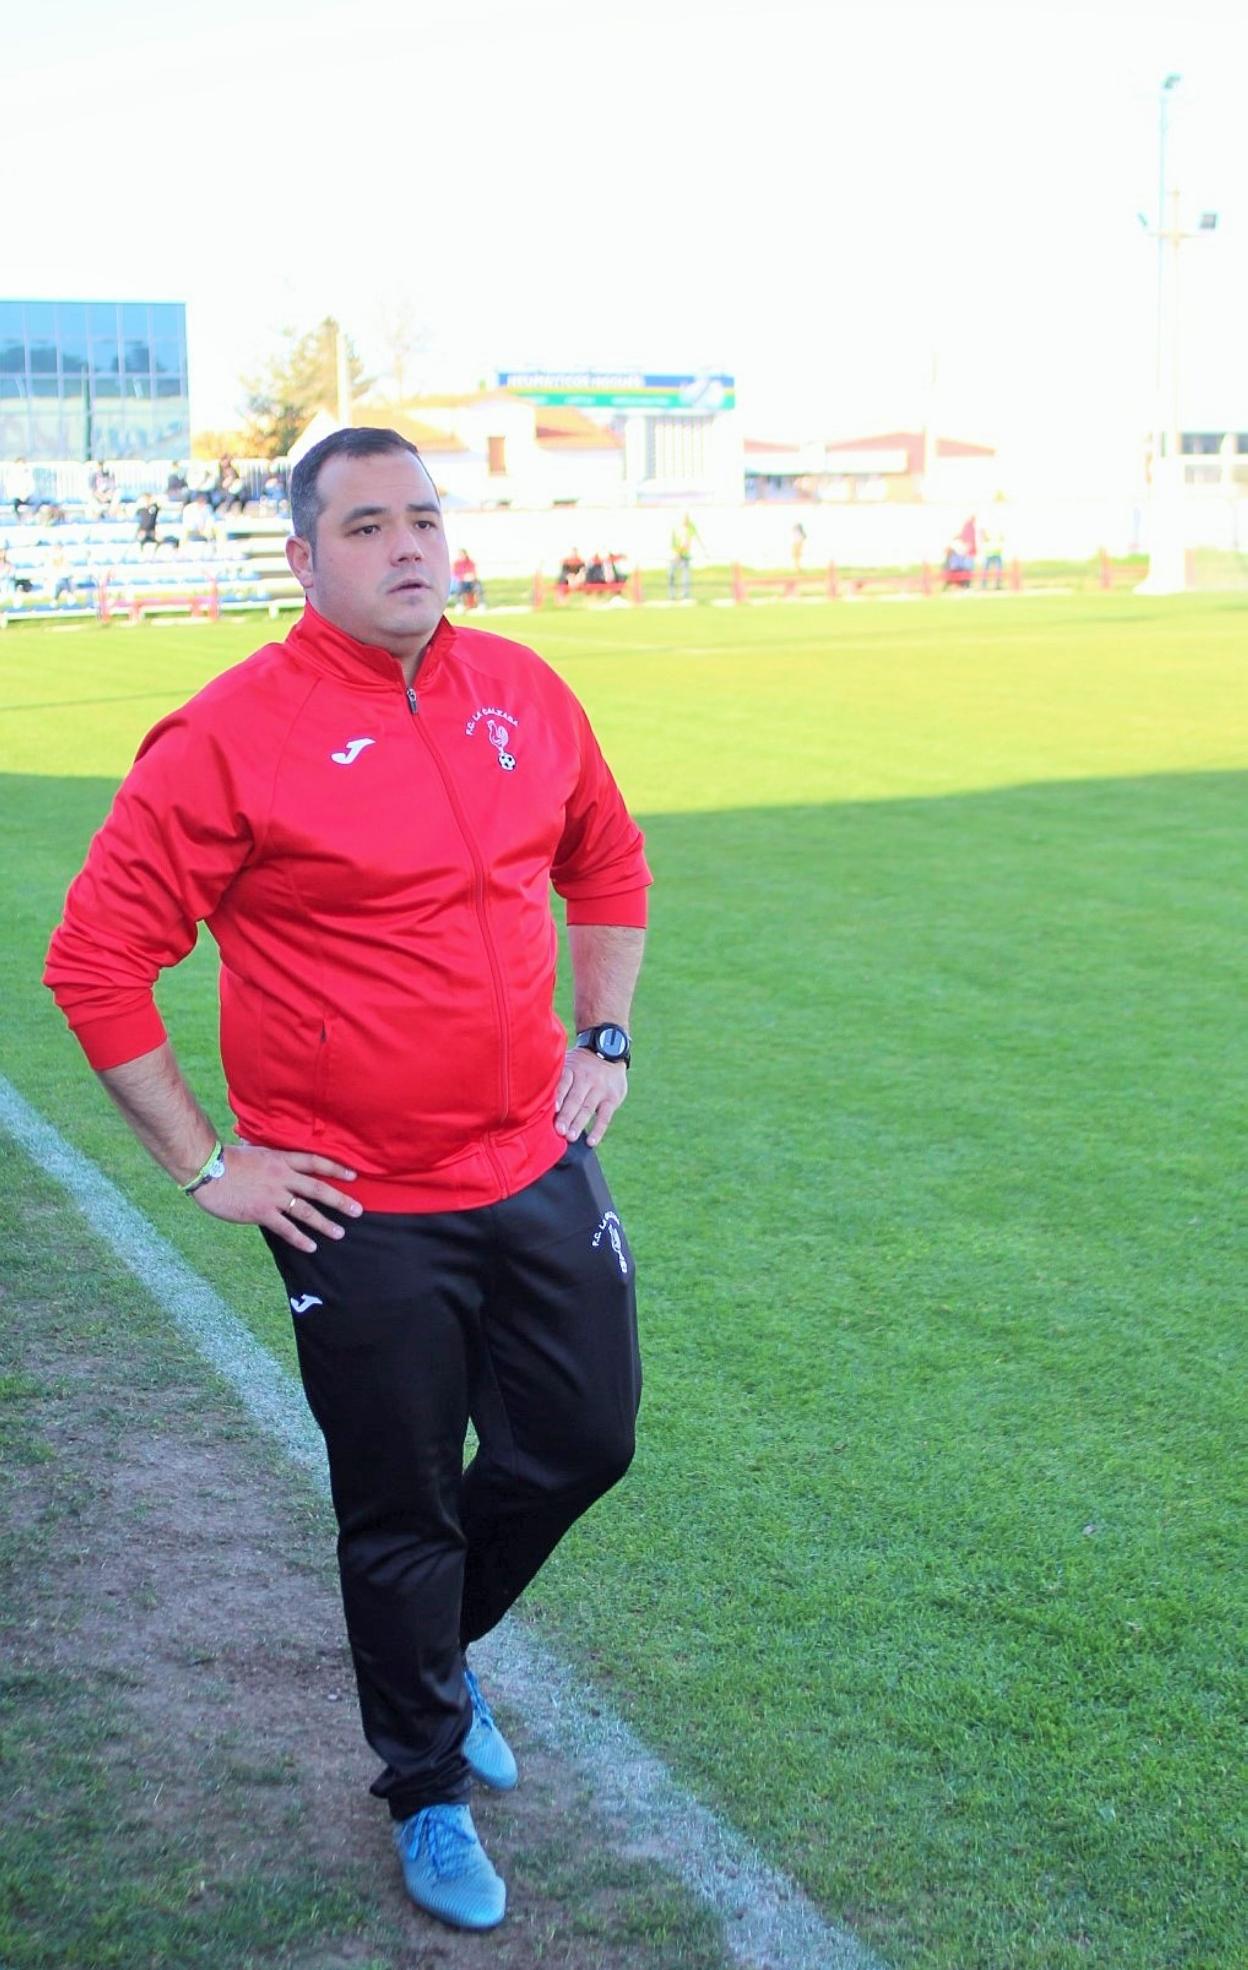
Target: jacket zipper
<point>500,996</point>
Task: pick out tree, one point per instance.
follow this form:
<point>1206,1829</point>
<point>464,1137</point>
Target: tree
<point>405,339</point>
<point>300,379</point>
<point>219,444</point>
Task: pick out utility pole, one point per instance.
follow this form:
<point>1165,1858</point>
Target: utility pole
<point>344,376</point>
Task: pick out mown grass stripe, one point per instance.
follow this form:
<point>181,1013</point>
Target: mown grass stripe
<point>768,1923</point>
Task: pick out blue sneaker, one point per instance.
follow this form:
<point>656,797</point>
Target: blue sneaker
<point>487,1753</point>
<point>446,1869</point>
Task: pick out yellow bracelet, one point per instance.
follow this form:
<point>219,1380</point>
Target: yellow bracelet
<point>214,1167</point>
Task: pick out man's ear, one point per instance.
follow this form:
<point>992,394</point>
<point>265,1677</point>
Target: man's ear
<point>299,555</point>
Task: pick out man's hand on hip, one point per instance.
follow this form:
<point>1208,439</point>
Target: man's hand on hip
<point>280,1189</point>
<point>590,1090</point>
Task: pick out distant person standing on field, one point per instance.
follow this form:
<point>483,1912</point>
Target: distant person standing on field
<point>680,563</point>
<point>992,540</point>
<point>466,589</point>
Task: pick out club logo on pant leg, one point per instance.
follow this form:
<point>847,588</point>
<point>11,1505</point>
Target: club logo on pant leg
<point>305,1303</point>
<point>612,1228</point>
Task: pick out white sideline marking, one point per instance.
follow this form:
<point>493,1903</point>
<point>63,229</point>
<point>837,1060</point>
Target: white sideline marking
<point>768,1923</point>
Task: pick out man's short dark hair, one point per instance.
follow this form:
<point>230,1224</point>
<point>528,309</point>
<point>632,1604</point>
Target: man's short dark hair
<point>358,441</point>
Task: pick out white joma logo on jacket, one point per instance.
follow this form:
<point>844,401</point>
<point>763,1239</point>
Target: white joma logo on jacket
<point>351,751</point>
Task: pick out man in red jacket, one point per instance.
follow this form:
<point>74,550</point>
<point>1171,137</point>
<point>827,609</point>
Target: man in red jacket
<point>368,817</point>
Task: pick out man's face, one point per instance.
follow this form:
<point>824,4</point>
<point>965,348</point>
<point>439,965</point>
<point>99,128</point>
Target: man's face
<point>381,567</point>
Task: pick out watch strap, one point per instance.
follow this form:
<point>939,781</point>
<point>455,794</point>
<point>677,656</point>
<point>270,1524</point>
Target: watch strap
<point>214,1167</point>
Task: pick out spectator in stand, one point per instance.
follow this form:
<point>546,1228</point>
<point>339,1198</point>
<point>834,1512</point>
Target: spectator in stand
<point>101,490</point>
<point>197,523</point>
<point>21,489</point>
<point>58,578</point>
<point>596,572</point>
<point>959,566</point>
<point>201,480</point>
<point>147,516</point>
<point>227,495</point>
<point>466,590</point>
<point>10,580</point>
<point>571,571</point>
<point>176,487</point>
<point>274,496</point>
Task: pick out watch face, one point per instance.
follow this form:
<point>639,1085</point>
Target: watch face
<point>612,1042</point>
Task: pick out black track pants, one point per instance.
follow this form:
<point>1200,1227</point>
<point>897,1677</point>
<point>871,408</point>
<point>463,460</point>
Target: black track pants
<point>520,1316</point>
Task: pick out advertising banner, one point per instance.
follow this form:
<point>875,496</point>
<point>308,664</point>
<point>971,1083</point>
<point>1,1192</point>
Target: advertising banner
<point>625,390</point>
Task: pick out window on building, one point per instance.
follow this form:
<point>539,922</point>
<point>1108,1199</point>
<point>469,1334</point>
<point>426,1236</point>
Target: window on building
<point>497,448</point>
<point>676,448</point>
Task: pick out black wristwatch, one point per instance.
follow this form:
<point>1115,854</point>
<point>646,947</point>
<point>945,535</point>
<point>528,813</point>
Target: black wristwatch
<point>608,1042</point>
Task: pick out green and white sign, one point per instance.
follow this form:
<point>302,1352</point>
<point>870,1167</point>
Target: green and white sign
<point>593,389</point>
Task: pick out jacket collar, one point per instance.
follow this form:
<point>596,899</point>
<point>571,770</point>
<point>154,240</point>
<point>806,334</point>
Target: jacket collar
<point>330,649</point>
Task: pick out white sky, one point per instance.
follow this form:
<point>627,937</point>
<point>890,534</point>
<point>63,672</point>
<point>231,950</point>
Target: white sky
<point>816,197</point>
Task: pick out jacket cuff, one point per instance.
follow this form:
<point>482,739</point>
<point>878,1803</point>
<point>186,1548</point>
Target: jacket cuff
<point>119,1037</point>
<point>627,912</point>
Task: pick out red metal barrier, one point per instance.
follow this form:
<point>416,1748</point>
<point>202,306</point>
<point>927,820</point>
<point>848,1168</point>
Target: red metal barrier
<point>789,586</point>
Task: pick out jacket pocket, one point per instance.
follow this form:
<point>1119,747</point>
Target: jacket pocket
<point>244,1038</point>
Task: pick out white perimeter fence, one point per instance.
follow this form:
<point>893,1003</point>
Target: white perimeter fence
<point>517,541</point>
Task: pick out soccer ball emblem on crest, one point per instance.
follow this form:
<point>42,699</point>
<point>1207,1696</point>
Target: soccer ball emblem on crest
<point>498,739</point>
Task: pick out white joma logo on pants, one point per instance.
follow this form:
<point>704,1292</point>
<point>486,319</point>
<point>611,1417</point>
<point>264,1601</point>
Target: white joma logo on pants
<point>305,1302</point>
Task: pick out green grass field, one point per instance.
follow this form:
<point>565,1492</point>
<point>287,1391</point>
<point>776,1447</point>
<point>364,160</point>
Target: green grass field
<point>927,1572</point>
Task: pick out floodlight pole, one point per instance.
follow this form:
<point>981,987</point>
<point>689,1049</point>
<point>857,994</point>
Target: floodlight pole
<point>1160,447</point>
<point>1167,560</point>
<point>1176,239</point>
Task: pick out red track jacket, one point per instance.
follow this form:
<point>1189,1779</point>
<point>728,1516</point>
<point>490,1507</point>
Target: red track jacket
<point>375,867</point>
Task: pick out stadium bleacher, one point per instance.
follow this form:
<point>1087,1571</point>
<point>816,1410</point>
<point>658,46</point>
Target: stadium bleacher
<point>242,567</point>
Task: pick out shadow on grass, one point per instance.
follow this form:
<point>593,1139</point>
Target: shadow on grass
<point>930,1160</point>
